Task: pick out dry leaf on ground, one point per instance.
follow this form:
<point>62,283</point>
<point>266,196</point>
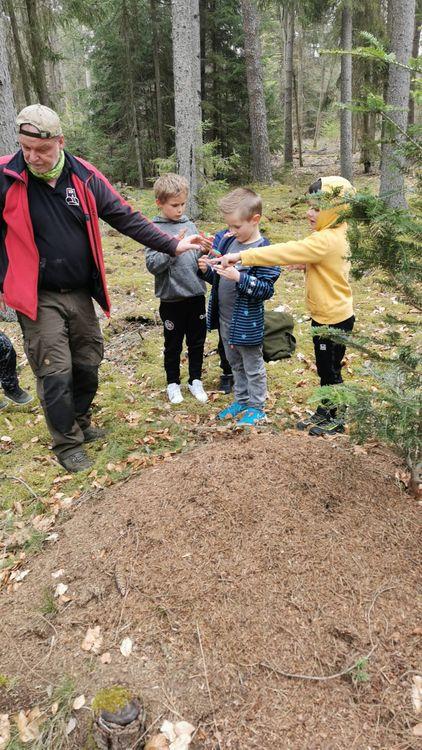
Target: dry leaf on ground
<point>78,702</point>
<point>105,658</point>
<point>157,742</point>
<point>93,640</point>
<point>417,730</point>
<point>70,726</point>
<point>417,693</point>
<point>126,646</point>
<point>29,725</point>
<point>60,589</point>
<point>4,731</point>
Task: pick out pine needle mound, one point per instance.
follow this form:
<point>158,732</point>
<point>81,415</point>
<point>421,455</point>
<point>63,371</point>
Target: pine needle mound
<point>248,557</point>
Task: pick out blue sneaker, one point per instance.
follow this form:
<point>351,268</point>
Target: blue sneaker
<point>251,417</point>
<point>232,411</point>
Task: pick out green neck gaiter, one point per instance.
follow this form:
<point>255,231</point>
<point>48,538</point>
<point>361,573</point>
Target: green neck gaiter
<point>53,174</point>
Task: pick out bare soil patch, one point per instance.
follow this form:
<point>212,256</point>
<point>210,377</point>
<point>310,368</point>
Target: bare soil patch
<point>277,551</point>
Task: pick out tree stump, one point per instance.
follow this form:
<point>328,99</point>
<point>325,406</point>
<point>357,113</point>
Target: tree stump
<point>119,730</point>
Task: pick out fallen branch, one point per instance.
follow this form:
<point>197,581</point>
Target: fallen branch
<point>18,479</point>
<point>324,678</point>
<point>217,733</point>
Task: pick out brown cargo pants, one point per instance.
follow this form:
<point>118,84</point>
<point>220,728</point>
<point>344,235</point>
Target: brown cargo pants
<point>64,347</point>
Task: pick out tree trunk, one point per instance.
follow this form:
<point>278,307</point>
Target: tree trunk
<point>196,83</point>
<point>186,110</point>
<point>298,122</point>
<point>415,53</point>
<point>288,85</point>
<point>7,106</point>
<point>157,77</point>
<point>36,47</point>
<point>392,162</point>
<point>346,139</point>
<point>131,111</point>
<point>261,160</point>
<point>22,65</point>
<point>322,98</point>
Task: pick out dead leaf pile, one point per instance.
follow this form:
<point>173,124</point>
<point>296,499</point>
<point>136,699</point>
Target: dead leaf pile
<point>93,640</point>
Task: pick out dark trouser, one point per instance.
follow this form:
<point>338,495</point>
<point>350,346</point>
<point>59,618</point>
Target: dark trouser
<point>184,318</point>
<point>329,354</point>
<point>224,362</point>
<point>64,347</point>
<point>8,377</point>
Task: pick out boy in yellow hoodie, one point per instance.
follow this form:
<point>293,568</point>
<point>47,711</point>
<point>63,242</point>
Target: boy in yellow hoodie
<point>325,255</point>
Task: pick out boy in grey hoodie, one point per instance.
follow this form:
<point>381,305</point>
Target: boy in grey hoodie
<point>180,290</point>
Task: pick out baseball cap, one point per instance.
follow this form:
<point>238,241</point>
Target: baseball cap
<point>41,117</point>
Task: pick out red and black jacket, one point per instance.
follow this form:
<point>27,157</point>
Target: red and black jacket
<point>19,257</point>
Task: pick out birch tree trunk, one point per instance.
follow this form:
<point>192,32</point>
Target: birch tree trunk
<point>261,159</point>
<point>288,86</point>
<point>186,109</point>
<point>346,138</point>
<point>392,162</point>
<point>7,107</point>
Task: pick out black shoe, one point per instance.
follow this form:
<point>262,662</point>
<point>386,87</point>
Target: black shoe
<point>3,404</point>
<point>93,433</point>
<point>74,462</point>
<point>321,415</point>
<point>18,396</point>
<point>226,383</point>
<point>328,427</point>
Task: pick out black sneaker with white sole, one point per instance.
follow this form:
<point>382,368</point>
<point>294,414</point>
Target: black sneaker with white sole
<point>321,415</point>
<point>328,427</point>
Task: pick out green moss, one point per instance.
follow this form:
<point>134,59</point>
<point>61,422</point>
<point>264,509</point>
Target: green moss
<point>4,681</point>
<point>111,699</point>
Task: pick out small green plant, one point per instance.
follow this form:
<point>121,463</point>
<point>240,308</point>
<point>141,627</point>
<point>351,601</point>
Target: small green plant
<point>4,681</point>
<point>48,606</point>
<point>360,672</point>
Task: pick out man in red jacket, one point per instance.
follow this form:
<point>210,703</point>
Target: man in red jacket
<point>51,266</point>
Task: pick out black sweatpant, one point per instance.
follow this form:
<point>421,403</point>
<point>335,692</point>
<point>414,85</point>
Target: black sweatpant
<point>329,355</point>
<point>8,377</point>
<point>186,317</point>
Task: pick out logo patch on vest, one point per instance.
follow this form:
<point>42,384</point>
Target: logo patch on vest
<point>71,197</point>
<point>169,325</point>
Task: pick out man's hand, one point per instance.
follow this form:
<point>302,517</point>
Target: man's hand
<point>226,260</point>
<point>229,273</point>
<point>2,303</point>
<point>190,243</point>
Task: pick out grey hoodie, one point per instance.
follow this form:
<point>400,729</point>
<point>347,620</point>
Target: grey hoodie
<point>175,278</point>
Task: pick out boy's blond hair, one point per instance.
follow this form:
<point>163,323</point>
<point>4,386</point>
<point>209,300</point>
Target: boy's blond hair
<point>243,201</point>
<point>169,185</point>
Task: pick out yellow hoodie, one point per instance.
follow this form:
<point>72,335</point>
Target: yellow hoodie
<point>326,255</point>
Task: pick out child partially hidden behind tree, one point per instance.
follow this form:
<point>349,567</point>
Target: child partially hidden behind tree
<point>180,290</point>
<point>236,305</point>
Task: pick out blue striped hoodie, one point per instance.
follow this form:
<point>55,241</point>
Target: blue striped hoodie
<point>255,286</point>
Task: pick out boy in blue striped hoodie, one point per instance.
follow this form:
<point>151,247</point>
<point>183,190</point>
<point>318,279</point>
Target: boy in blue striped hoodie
<point>236,305</point>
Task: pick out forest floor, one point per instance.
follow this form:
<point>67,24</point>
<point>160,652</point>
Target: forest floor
<point>310,570</point>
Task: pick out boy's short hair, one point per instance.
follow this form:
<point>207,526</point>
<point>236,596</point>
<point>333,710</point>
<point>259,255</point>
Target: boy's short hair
<point>243,201</point>
<point>168,185</point>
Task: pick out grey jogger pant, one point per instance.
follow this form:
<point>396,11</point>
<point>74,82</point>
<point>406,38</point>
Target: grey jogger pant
<point>64,346</point>
<point>248,367</point>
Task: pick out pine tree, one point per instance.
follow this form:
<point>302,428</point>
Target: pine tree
<point>7,107</point>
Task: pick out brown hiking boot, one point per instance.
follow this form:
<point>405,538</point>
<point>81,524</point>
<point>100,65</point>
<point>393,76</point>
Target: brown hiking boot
<point>73,462</point>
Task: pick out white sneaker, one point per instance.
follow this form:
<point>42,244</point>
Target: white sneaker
<point>197,390</point>
<point>174,393</point>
